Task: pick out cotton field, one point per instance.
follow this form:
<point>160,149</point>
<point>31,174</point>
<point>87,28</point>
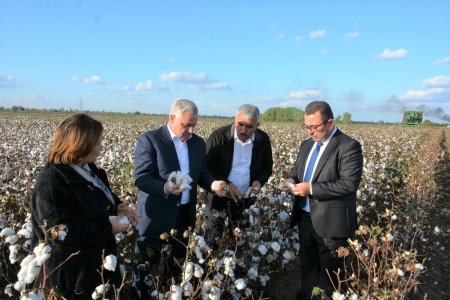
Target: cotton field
<point>397,200</point>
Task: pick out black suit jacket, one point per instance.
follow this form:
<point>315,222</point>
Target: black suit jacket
<point>155,158</point>
<point>220,149</point>
<point>334,185</point>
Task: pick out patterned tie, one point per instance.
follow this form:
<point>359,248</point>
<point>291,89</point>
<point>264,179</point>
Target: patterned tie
<point>309,173</point>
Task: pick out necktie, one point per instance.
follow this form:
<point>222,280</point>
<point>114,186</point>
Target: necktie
<point>309,173</point>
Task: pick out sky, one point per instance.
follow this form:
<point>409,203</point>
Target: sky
<point>373,59</point>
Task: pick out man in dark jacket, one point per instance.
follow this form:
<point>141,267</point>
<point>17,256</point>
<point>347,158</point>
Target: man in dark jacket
<point>324,180</point>
<point>240,154</point>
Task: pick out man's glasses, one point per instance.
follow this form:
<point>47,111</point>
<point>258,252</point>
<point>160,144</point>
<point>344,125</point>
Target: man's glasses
<point>313,127</point>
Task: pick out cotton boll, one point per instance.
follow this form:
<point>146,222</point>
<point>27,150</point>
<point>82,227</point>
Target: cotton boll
<point>240,284</point>
<point>275,246</point>
<point>8,290</point>
<point>175,292</point>
<point>262,249</point>
<point>252,273</point>
<point>13,251</point>
<point>25,232</point>
<point>198,271</point>
<point>110,262</point>
<point>12,239</point>
<point>124,220</point>
<point>42,252</point>
<point>187,288</point>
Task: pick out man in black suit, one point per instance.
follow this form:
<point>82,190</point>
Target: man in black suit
<point>165,207</point>
<point>324,180</point>
<point>241,155</point>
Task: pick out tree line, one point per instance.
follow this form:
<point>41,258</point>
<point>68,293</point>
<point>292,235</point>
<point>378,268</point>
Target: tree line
<point>292,114</point>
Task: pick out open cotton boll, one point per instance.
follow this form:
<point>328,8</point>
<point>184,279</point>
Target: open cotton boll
<point>25,232</point>
<point>176,176</point>
<point>100,291</point>
<point>175,292</point>
<point>124,220</point>
<point>110,262</point>
<point>7,232</point>
<point>42,252</point>
<point>240,284</point>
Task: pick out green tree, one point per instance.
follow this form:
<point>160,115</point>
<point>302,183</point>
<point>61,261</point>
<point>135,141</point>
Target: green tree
<point>346,118</point>
<point>278,114</point>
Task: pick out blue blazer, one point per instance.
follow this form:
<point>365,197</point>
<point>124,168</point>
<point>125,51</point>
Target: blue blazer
<point>155,158</point>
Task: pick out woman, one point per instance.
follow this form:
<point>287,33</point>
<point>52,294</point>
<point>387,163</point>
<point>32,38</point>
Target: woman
<point>72,193</point>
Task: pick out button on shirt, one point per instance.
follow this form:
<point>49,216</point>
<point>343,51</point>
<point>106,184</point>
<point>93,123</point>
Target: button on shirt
<point>183,159</point>
<point>322,149</point>
<point>242,158</point>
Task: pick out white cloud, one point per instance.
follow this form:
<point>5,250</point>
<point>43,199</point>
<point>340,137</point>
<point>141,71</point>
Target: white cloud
<point>213,86</point>
<point>433,94</point>
<point>298,39</point>
<point>171,60</point>
<point>7,81</point>
<point>318,34</point>
<point>445,60</point>
<point>438,81</point>
<point>351,35</point>
<point>185,77</point>
<point>95,79</point>
<point>144,86</point>
<point>290,103</point>
<point>316,94</point>
<point>392,54</point>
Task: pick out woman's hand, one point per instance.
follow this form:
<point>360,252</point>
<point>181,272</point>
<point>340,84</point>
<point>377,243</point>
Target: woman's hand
<point>124,210</point>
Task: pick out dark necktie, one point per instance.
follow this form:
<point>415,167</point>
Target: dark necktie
<point>309,173</point>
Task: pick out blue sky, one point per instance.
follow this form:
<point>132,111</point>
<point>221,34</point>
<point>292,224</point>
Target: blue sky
<point>373,59</point>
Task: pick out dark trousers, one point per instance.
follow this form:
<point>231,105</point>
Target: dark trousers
<point>233,211</point>
<point>317,256</point>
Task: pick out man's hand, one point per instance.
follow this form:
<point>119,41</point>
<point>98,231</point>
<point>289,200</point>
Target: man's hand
<point>173,189</point>
<point>220,187</point>
<point>301,189</point>
<point>287,185</point>
<point>234,192</point>
<point>124,210</point>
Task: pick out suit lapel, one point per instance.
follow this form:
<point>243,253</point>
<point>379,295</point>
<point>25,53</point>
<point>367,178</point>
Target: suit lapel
<point>169,146</point>
<point>332,144</point>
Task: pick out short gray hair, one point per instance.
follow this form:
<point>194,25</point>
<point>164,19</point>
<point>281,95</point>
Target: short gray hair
<point>249,111</point>
<point>182,105</point>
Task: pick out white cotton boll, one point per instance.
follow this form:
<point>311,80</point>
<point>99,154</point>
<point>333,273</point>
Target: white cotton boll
<point>240,284</point>
<point>262,249</point>
<point>270,258</point>
<point>359,208</point>
<point>263,279</point>
<point>275,246</point>
<point>175,292</point>
<point>176,176</point>
<point>99,291</point>
<point>25,232</point>
<point>366,252</point>
<point>394,217</point>
<point>12,239</point>
<point>110,262</point>
<point>6,231</point>
<point>437,230</point>
<point>32,271</point>
<point>20,285</point>
<point>288,255</point>
<point>199,254</point>
<point>198,271</point>
<point>188,271</point>
<point>389,237</point>
<point>252,273</point>
<point>418,266</point>
<point>32,296</point>
<point>42,252</point>
<point>124,220</point>
<point>337,296</point>
<point>8,289</point>
<point>283,216</point>
<point>24,266</point>
<point>400,272</point>
<point>187,288</point>
<point>62,234</point>
<point>13,251</point>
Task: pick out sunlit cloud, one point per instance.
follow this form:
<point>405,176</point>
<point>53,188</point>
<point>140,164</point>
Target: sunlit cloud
<point>438,81</point>
<point>290,103</point>
<point>308,94</point>
<point>433,94</point>
<point>7,81</point>
<point>95,79</point>
<point>351,36</point>
<point>144,86</point>
<point>392,54</point>
<point>185,77</point>
<point>445,60</point>
<point>317,34</point>
<point>212,86</point>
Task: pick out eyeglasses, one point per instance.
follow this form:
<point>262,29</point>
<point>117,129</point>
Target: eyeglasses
<point>313,127</point>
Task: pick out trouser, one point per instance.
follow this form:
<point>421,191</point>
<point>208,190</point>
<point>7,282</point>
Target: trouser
<point>318,259</point>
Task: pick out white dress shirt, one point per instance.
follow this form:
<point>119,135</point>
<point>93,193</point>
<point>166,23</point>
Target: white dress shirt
<point>242,158</point>
<point>183,159</point>
<point>322,149</point>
